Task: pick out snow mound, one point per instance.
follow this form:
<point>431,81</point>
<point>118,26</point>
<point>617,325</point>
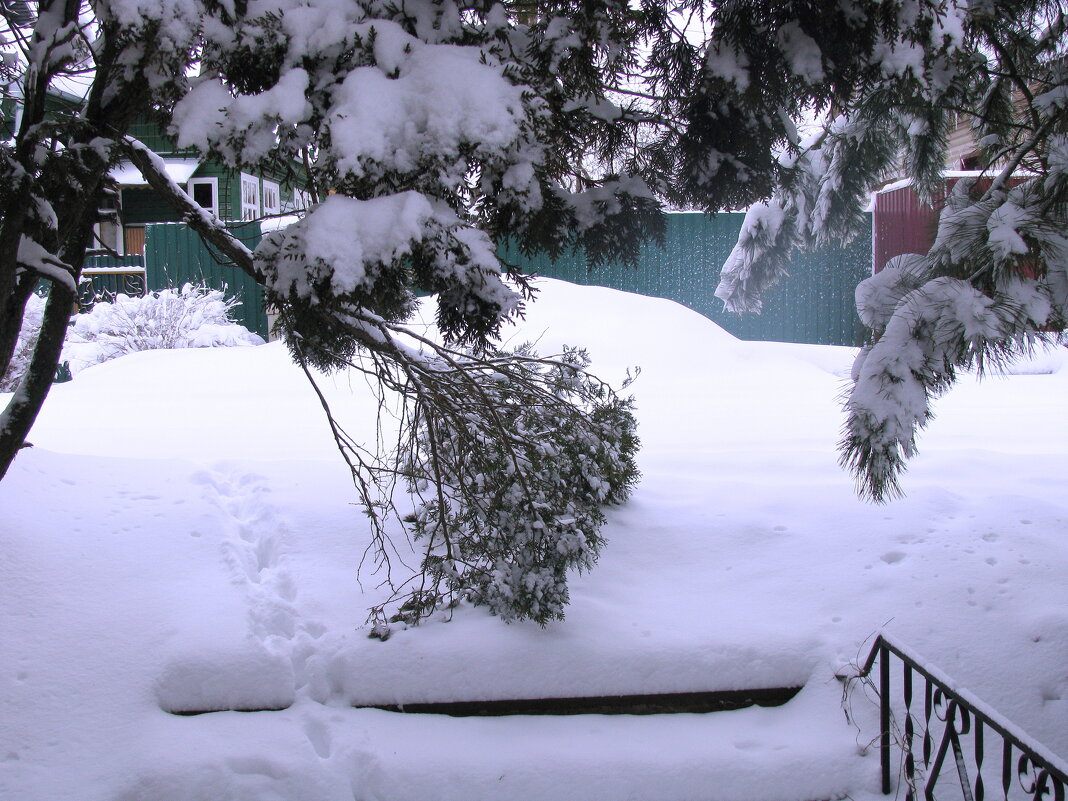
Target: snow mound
<point>246,678</point>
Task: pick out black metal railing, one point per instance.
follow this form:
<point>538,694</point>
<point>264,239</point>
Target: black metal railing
<point>941,730</point>
<point>103,279</point>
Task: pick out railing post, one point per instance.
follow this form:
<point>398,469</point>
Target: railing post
<point>1041,775</point>
<point>884,714</point>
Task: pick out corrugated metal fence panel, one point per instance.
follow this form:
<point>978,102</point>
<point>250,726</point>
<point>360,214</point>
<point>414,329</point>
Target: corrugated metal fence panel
<point>97,262</point>
<point>902,225</point>
<point>176,255</point>
<point>814,305</point>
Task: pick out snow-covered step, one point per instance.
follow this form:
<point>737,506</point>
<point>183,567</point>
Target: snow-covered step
<point>803,750</point>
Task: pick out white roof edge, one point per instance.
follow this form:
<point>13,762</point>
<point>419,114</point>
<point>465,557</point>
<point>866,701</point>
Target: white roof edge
<point>901,183</point>
<point>179,170</point>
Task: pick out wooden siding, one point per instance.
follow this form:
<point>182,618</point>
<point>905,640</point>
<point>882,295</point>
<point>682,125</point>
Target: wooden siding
<point>960,144</point>
<point>144,205</point>
<point>149,132</point>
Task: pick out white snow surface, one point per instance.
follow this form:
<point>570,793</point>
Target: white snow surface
<point>184,536</point>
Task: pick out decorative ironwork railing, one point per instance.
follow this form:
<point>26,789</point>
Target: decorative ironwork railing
<point>105,282</point>
<point>941,730</point>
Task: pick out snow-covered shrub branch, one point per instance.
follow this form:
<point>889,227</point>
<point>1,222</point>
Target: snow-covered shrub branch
<point>20,360</point>
<point>189,317</point>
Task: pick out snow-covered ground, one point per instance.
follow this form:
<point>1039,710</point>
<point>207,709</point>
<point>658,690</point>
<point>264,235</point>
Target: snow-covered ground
<point>183,535</point>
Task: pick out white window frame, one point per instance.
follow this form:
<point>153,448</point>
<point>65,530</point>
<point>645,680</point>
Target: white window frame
<point>298,201</point>
<point>214,184</point>
<point>250,197</point>
<point>271,192</point>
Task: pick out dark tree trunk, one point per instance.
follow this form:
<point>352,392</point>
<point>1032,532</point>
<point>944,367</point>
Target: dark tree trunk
<point>22,410</point>
<point>11,315</point>
<point>74,198</point>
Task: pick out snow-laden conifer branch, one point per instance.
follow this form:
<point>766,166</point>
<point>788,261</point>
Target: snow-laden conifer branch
<point>993,284</point>
<point>507,458</point>
<point>935,331</point>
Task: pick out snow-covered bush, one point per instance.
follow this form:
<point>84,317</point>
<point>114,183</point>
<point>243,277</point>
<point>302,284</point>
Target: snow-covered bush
<point>190,317</point>
<point>31,324</point>
<point>503,519</point>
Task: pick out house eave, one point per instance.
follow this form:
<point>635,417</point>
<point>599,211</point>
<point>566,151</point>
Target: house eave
<point>125,174</point>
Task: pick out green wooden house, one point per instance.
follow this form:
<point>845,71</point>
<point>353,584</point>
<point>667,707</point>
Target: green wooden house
<point>233,196</point>
<point>141,244</point>
<point>144,239</point>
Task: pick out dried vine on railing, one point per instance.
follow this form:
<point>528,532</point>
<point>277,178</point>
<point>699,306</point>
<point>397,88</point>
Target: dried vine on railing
<point>943,732</point>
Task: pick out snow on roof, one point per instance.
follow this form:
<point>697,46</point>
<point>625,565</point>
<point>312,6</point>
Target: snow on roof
<point>278,223</point>
<point>950,174</point>
<point>180,171</point>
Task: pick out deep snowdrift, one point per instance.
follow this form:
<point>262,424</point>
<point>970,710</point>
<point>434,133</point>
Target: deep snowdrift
<point>183,535</point>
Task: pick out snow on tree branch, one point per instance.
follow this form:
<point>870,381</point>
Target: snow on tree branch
<point>35,258</point>
<point>993,284</point>
<point>509,457</point>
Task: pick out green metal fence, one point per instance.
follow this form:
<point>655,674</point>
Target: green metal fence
<point>176,255</point>
<point>814,305</point>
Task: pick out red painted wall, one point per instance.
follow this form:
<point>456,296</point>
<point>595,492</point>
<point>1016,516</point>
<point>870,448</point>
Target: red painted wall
<point>901,224</point>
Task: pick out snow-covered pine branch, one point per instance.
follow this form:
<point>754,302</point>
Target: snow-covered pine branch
<point>892,80</point>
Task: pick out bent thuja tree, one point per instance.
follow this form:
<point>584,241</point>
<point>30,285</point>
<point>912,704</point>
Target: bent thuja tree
<point>440,132</point>
<point>428,134</point>
<point>508,457</point>
<point>892,79</point>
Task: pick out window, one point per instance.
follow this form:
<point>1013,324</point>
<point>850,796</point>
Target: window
<point>205,193</point>
<point>272,198</point>
<point>299,201</point>
<point>250,197</point>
